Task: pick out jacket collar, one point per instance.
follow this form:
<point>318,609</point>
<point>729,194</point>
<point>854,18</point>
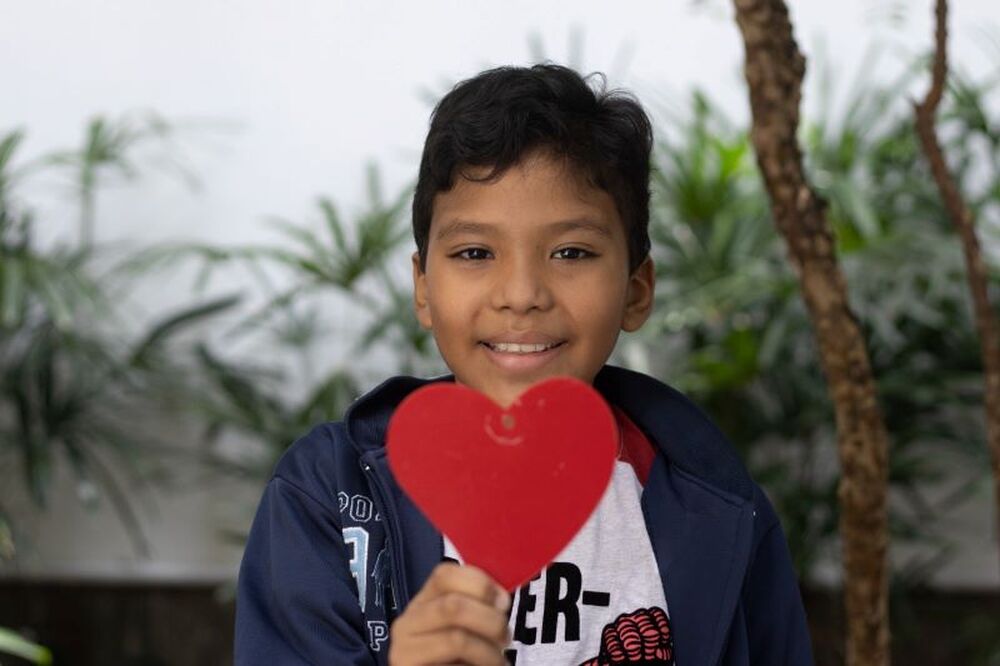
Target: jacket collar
<point>688,439</point>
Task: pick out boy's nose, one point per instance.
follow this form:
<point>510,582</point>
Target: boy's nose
<point>521,286</point>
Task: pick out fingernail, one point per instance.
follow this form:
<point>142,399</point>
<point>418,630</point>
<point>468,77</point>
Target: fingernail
<point>502,600</point>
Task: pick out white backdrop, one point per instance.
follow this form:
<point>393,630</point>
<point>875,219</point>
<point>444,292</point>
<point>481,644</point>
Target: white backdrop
<point>294,97</point>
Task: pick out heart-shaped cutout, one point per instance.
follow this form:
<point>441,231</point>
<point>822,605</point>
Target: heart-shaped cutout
<point>509,487</point>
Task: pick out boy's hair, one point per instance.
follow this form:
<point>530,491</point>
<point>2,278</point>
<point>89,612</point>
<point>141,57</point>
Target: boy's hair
<point>495,118</point>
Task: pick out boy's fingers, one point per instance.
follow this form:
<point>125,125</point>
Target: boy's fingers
<point>455,610</point>
<point>458,616</point>
<point>468,580</point>
<point>455,646</point>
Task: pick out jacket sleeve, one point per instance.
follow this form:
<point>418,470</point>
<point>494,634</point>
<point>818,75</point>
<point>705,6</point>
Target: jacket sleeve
<point>296,601</point>
<point>777,630</point>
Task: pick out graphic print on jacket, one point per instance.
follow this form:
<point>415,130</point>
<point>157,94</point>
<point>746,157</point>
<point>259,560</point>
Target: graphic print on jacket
<point>369,561</point>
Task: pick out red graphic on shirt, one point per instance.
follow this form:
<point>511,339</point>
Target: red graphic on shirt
<point>640,637</point>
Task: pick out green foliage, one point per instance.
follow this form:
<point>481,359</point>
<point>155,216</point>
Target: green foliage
<point>252,403</point>
<point>740,341</point>
<point>67,372</point>
<point>13,644</point>
<point>269,405</point>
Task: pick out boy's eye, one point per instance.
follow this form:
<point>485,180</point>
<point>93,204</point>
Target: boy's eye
<point>573,253</point>
<point>473,254</point>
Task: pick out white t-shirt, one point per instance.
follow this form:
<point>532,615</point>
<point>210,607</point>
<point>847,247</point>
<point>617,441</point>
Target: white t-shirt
<point>601,600</point>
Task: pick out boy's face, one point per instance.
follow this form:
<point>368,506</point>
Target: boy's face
<point>527,278</point>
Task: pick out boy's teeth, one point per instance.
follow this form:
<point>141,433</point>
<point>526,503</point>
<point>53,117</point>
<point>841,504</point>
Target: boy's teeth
<point>514,348</point>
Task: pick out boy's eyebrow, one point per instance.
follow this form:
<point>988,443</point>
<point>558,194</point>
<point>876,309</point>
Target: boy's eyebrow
<point>468,226</point>
<point>580,224</point>
<point>460,226</point>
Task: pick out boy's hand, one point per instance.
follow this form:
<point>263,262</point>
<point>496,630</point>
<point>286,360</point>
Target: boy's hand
<point>459,616</point>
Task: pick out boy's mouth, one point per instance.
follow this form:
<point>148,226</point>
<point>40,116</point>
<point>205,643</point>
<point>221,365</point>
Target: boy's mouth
<point>518,357</point>
<point>521,348</point>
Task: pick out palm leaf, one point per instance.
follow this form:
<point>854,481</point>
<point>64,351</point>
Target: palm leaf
<point>170,325</point>
<point>333,224</point>
<point>14,645</point>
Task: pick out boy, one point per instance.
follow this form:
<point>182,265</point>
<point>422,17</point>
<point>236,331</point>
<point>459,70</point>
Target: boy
<point>530,217</point>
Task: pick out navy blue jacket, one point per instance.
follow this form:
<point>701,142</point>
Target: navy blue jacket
<point>337,549</point>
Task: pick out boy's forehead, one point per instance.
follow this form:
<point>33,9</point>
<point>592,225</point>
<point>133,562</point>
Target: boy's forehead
<point>457,226</point>
<point>542,193</point>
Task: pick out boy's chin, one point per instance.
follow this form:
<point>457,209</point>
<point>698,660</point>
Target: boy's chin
<point>508,396</point>
<point>506,393</point>
<point>503,395</point>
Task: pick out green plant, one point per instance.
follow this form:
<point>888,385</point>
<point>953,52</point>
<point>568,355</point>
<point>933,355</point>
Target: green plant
<point>69,365</point>
<point>738,339</point>
<point>14,645</point>
<point>344,267</point>
<point>352,260</point>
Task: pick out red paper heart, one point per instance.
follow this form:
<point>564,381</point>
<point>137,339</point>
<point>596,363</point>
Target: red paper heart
<point>510,488</point>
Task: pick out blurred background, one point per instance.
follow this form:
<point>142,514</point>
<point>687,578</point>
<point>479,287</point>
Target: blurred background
<point>204,241</point>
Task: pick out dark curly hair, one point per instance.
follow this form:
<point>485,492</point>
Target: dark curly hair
<point>495,118</point>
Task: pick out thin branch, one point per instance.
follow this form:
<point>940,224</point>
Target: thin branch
<point>961,216</point>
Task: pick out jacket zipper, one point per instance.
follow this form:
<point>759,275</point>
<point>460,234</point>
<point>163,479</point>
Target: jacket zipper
<point>400,590</point>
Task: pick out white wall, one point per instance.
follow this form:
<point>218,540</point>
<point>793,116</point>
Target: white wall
<point>298,95</point>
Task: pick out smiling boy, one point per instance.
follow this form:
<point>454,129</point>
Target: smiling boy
<point>530,218</point>
<point>527,276</point>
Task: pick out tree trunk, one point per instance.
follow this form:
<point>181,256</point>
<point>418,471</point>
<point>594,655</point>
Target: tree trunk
<point>961,216</point>
<point>774,69</point>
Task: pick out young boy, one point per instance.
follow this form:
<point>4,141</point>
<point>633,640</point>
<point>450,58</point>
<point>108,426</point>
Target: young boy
<point>530,217</point>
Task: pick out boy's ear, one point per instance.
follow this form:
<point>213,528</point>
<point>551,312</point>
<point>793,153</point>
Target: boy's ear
<point>639,297</point>
<point>420,306</point>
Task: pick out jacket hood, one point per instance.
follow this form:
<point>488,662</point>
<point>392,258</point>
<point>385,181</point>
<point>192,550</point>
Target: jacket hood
<point>684,434</point>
